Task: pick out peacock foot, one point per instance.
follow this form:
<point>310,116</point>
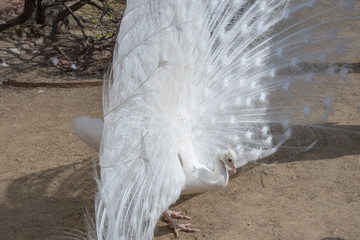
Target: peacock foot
<point>169,217</point>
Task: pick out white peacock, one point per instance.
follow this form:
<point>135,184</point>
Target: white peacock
<point>200,87</point>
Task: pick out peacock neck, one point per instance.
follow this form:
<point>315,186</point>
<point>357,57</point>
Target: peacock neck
<point>220,173</point>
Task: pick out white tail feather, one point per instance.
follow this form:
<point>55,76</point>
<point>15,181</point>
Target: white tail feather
<point>89,130</point>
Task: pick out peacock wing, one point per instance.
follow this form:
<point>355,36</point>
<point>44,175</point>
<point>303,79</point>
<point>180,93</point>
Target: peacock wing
<point>139,180</point>
<point>141,174</point>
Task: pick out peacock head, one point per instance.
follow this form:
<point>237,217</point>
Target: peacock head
<point>229,159</point>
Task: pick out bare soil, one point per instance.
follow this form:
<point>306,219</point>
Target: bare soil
<point>46,172</point>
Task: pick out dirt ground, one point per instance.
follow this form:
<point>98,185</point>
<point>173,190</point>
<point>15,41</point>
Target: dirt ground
<point>46,172</point>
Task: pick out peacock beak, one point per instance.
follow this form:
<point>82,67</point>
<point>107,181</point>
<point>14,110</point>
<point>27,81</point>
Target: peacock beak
<point>234,169</point>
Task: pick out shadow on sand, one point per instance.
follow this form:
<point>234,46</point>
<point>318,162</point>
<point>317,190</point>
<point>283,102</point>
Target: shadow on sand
<point>41,204</point>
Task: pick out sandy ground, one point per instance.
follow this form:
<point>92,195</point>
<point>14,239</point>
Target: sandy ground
<point>47,182</point>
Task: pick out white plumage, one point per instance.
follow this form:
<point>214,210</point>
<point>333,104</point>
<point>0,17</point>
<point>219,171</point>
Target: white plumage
<point>89,130</point>
<point>190,79</point>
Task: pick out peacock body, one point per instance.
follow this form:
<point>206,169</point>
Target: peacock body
<point>192,78</point>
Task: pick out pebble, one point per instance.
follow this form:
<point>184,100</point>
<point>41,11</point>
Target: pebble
<point>14,50</point>
<point>73,66</point>
<point>54,61</point>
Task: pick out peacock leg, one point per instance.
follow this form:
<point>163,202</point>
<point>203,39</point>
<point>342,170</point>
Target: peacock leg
<point>169,216</point>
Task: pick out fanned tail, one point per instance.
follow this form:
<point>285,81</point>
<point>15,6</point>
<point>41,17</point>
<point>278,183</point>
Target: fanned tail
<point>270,67</point>
<point>205,75</point>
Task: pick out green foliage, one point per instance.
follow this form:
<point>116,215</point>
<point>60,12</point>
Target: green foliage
<point>106,21</point>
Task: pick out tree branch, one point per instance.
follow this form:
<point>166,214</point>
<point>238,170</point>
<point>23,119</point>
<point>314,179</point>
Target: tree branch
<point>63,14</point>
<point>77,20</point>
<point>30,8</point>
<point>18,20</point>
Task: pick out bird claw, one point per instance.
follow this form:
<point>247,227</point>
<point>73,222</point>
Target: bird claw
<point>169,217</point>
<point>177,215</point>
<point>182,227</point>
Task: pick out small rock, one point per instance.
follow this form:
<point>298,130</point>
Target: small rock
<point>14,50</point>
<point>4,64</point>
<point>54,61</point>
<point>24,46</point>
<point>73,66</point>
<point>39,41</point>
<point>40,91</point>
